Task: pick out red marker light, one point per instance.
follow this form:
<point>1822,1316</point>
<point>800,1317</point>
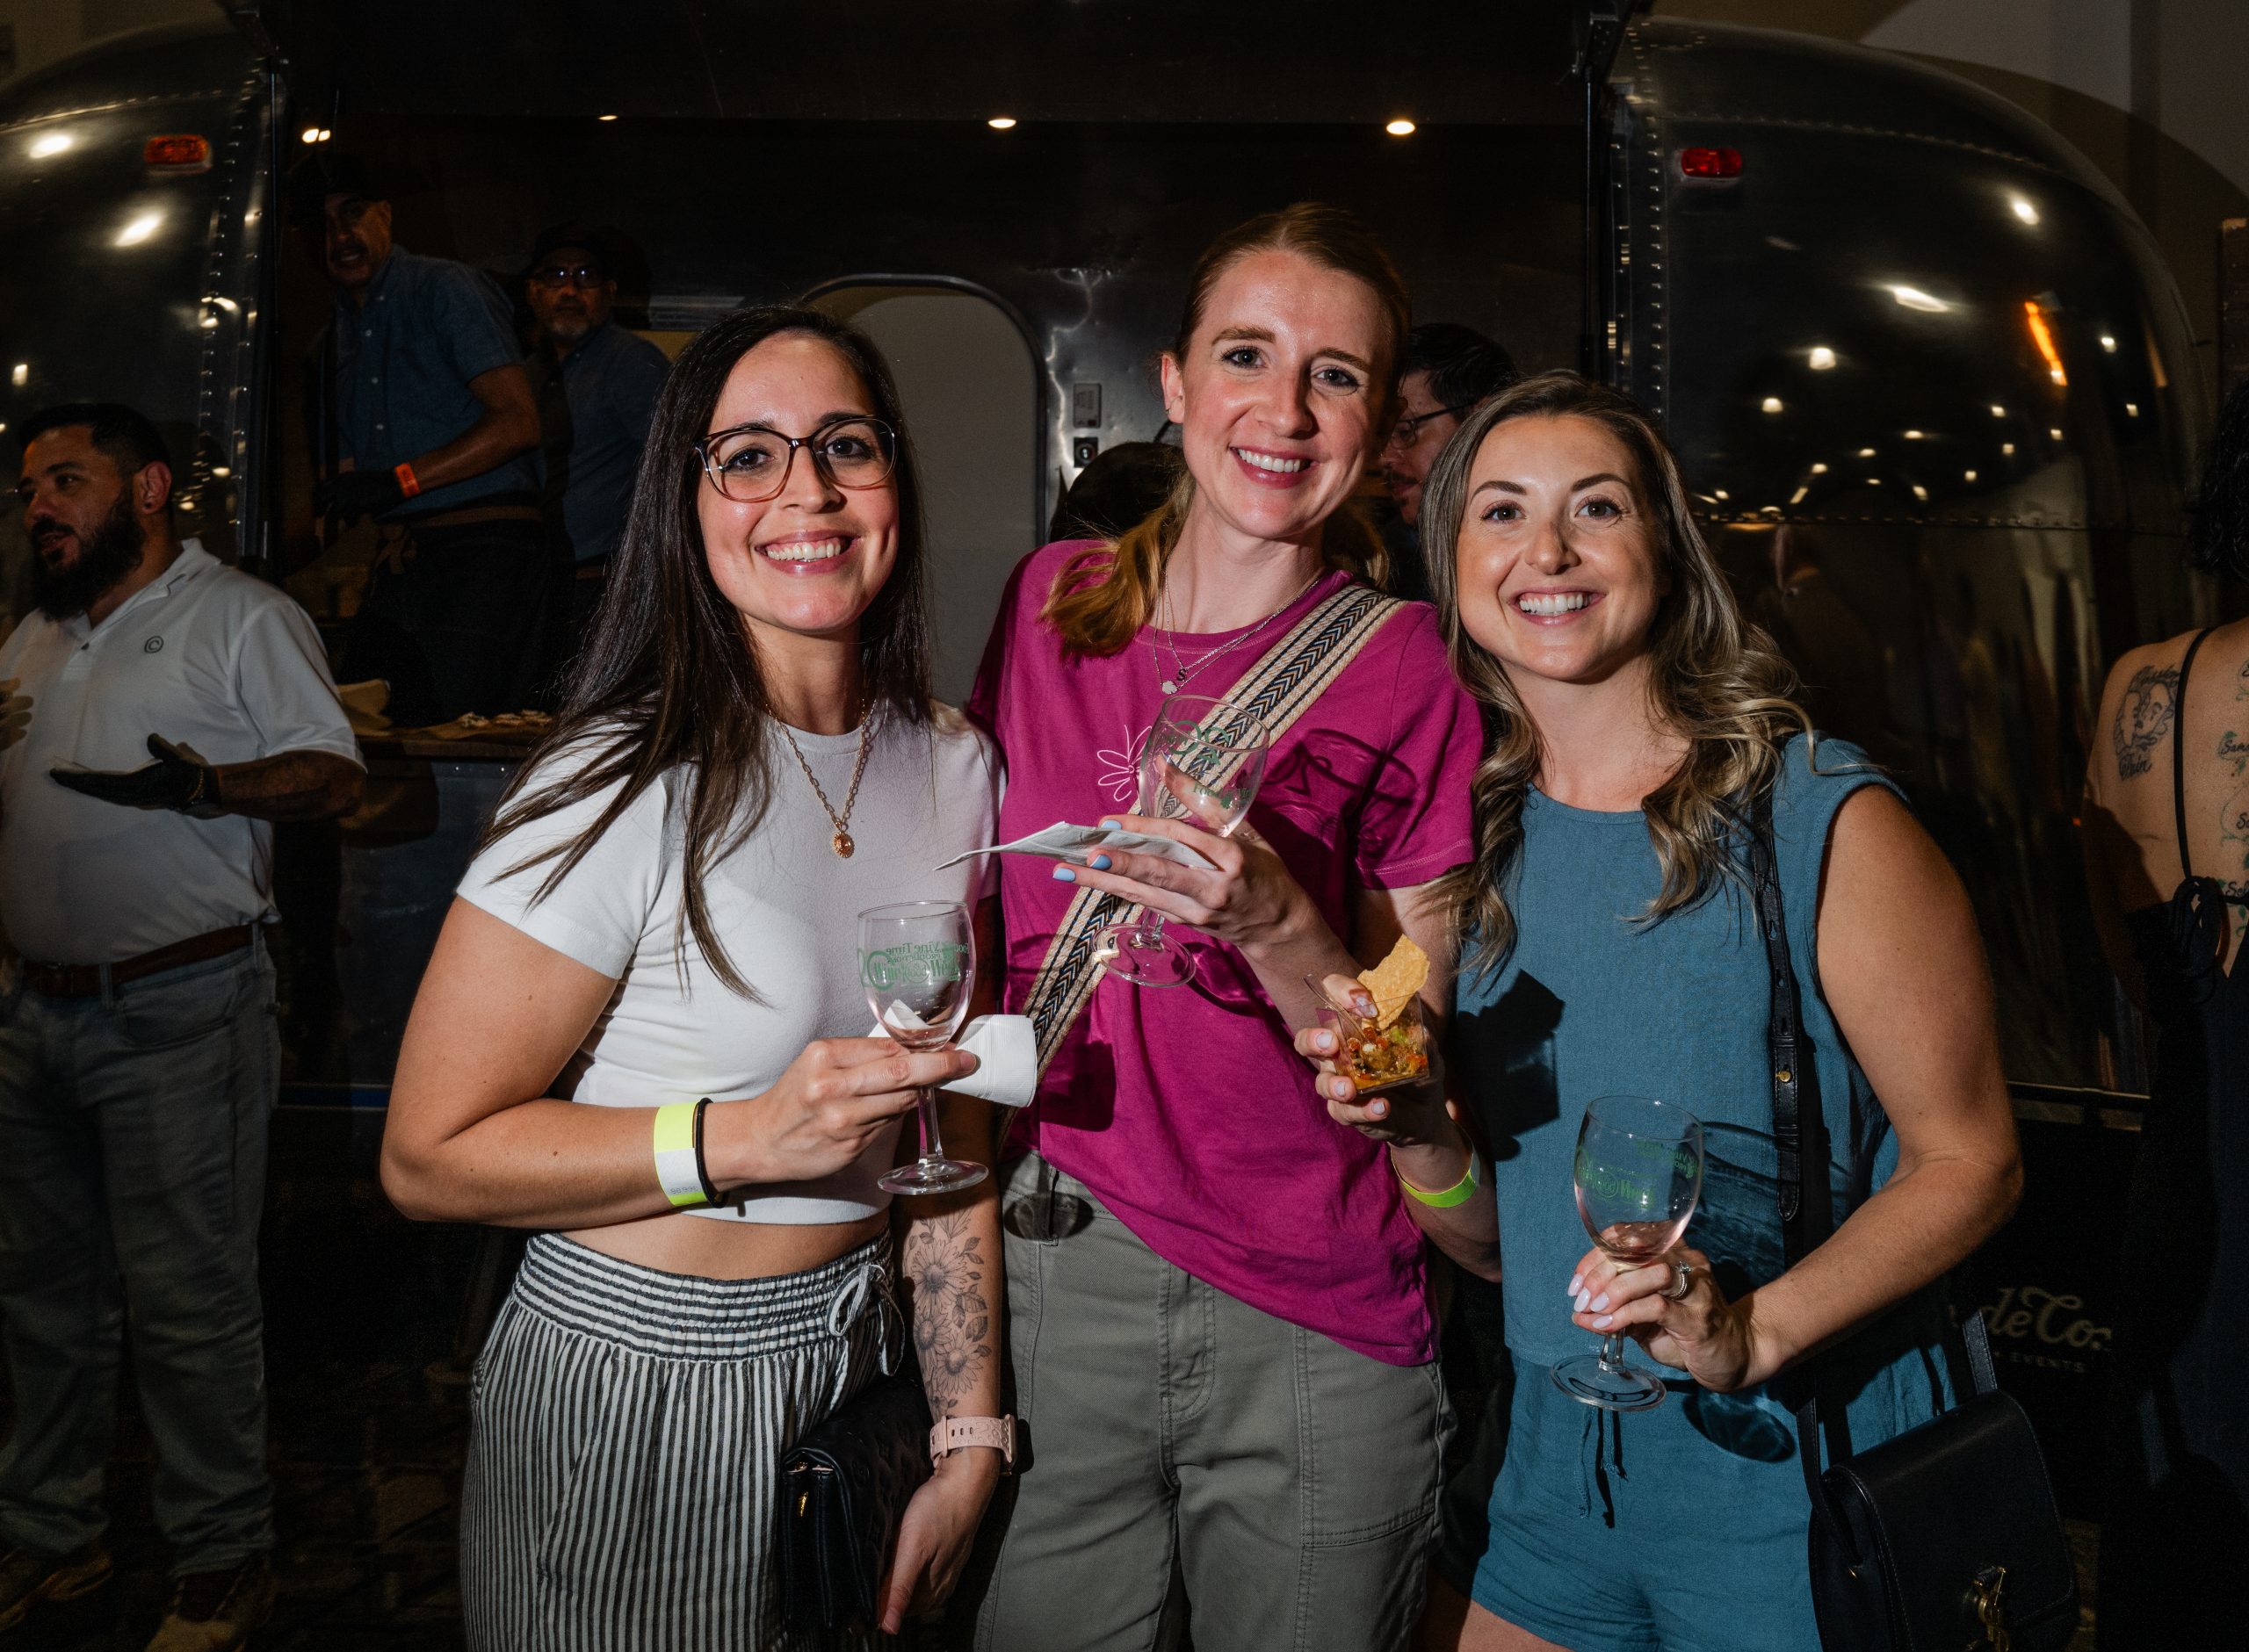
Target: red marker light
<point>177,152</point>
<point>1710,165</point>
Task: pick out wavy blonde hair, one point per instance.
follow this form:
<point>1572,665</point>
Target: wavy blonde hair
<point>1713,679</point>
<point>1105,593</point>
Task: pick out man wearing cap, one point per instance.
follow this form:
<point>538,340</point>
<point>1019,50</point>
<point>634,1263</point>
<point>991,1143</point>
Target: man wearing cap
<point>164,708</point>
<point>608,380</point>
<point>423,419</point>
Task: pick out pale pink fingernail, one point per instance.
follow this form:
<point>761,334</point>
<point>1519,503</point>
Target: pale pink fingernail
<point>1600,1301</point>
<point>1601,1324</point>
<point>1577,1284</point>
<point>1583,1297</point>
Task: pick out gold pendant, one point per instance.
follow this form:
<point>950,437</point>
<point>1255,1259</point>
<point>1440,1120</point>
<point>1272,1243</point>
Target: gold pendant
<point>842,843</point>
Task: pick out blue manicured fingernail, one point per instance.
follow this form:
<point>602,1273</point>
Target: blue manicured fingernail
<point>1377,1109</point>
<point>1577,1284</point>
<point>1065,875</point>
<point>1111,825</point>
<point>1101,863</point>
<point>1601,1324</point>
<point>1600,1301</point>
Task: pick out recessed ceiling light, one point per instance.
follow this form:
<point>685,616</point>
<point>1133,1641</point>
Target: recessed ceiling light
<point>1866,452</point>
<point>1967,476</point>
<point>2131,410</point>
<point>1912,435</point>
<point>1001,123</point>
<point>1997,412</point>
<point>604,117</point>
<point>310,134</point>
<point>1822,358</point>
<point>1400,127</point>
<point>1819,469</point>
<point>1771,404</point>
<point>2007,448</point>
<point>2056,434</point>
<point>2109,342</point>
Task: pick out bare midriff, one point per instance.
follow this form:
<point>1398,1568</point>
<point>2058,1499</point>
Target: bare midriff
<point>678,1242</point>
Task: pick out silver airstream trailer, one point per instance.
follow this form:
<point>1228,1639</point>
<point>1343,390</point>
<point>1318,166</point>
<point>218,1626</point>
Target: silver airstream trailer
<point>1926,373</point>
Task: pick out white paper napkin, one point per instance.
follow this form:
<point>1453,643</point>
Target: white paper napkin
<point>1006,1049</point>
<point>1078,845</point>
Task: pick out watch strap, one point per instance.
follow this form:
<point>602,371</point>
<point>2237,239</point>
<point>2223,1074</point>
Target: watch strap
<point>954,1433</point>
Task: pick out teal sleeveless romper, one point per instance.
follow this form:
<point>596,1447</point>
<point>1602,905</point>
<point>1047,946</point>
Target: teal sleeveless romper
<point>1680,1528</point>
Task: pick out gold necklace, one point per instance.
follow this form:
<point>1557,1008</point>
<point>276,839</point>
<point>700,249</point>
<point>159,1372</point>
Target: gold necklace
<point>842,841</point>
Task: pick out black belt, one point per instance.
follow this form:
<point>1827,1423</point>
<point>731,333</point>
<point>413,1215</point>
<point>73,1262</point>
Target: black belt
<point>84,980</point>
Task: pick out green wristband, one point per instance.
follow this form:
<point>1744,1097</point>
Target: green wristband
<point>676,1166</point>
<point>1459,1194</point>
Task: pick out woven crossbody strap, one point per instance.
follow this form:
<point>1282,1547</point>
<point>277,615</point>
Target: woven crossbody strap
<point>1278,690</point>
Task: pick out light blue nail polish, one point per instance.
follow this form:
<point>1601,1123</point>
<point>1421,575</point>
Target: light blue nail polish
<point>1601,1324</point>
<point>1584,1297</point>
<point>1109,825</point>
<point>1600,1301</point>
<point>1101,863</point>
<point>1065,875</point>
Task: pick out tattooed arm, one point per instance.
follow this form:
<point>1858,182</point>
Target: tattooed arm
<point>2144,714</point>
<point>949,1258</point>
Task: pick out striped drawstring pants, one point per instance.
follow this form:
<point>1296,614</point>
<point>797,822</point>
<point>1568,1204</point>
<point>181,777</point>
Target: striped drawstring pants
<point>627,1431</point>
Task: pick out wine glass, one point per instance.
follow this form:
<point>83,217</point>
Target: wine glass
<point>1639,1172</point>
<point>1202,763</point>
<point>917,962</point>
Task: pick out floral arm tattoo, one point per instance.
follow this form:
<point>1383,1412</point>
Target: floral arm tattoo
<point>946,1268</point>
<point>2143,717</point>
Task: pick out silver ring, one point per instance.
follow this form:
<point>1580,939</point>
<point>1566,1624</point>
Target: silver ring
<point>1683,1282</point>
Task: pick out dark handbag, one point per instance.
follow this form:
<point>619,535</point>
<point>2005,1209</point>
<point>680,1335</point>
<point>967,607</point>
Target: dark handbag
<point>1946,1536</point>
<point>844,1487</point>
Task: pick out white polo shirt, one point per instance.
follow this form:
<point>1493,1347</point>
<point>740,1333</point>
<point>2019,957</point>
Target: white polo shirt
<point>207,657</point>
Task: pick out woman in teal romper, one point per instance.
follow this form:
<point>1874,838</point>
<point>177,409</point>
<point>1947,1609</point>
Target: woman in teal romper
<point>1610,948</point>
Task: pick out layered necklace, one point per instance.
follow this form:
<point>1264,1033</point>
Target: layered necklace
<point>840,843</point>
<point>1181,672</point>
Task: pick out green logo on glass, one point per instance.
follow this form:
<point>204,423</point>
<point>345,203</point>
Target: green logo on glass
<point>923,964</point>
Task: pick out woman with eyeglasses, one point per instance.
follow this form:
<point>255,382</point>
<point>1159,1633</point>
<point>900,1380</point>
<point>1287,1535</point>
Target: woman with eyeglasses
<point>636,1034</point>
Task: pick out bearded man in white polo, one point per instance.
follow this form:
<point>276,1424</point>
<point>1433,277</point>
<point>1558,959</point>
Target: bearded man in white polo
<point>164,709</point>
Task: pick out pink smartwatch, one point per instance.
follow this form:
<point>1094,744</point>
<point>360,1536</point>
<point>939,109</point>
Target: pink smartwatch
<point>954,1433</point>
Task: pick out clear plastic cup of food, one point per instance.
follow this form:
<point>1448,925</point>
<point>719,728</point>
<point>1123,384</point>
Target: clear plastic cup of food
<point>1373,1055</point>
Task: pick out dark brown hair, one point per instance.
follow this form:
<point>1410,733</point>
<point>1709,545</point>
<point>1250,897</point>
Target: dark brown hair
<point>669,679</point>
<point>1104,594</point>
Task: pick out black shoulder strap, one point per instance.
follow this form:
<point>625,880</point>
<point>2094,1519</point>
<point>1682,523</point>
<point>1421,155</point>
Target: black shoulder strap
<point>1800,1136</point>
<point>2178,748</point>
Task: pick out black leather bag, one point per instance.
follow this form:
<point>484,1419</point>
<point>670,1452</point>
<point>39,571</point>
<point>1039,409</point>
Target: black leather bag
<point>1946,1536</point>
<point>844,1487</point>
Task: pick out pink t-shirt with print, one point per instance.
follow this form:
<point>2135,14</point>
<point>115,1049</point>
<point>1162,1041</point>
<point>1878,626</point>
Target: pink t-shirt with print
<point>1185,1109</point>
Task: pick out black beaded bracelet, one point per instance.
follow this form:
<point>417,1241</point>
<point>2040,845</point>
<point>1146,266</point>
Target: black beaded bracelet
<point>702,1170</point>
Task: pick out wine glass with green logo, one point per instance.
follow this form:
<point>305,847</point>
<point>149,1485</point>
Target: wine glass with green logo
<point>917,962</point>
<point>1638,1173</point>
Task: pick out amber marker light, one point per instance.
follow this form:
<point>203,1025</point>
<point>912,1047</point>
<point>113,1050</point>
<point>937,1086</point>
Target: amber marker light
<point>2042,336</point>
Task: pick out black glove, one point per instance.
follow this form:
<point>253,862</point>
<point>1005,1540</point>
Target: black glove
<point>352,494</point>
<point>173,781</point>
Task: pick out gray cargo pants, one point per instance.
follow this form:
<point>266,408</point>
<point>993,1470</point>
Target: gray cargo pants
<point>1195,1463</point>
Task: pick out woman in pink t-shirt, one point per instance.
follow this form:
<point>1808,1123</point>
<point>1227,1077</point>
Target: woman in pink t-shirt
<point>1223,1351</point>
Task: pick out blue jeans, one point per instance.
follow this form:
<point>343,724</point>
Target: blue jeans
<point>132,1172</point>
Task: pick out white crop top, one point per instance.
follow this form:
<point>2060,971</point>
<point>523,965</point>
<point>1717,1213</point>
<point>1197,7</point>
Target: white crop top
<point>787,906</point>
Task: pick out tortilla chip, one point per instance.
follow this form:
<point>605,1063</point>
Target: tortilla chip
<point>1396,980</point>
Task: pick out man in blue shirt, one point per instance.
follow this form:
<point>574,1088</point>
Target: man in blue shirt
<point>608,381</point>
<point>424,420</point>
